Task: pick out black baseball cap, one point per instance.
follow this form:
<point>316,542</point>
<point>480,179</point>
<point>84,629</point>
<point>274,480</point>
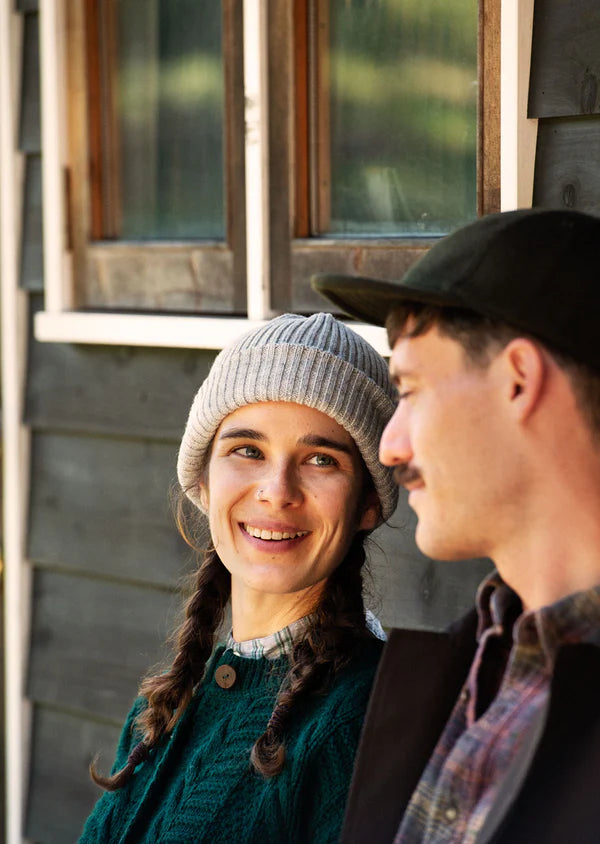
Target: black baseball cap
<point>534,269</point>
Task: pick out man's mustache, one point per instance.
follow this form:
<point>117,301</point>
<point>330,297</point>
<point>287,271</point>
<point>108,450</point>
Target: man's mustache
<point>406,474</point>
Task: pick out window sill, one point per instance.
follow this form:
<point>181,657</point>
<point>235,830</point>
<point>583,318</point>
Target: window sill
<point>161,330</point>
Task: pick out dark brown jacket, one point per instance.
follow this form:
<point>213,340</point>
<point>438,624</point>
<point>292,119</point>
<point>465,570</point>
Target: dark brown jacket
<point>552,793</point>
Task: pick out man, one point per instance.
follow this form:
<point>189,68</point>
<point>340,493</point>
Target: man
<point>491,732</point>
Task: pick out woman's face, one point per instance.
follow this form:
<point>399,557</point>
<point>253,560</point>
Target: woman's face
<point>283,495</point>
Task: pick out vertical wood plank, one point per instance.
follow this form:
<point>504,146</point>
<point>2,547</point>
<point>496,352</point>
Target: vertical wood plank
<point>488,159</point>
<point>29,131</point>
<point>32,250</point>
<point>320,152</point>
<point>235,201</point>
<point>280,34</point>
<point>301,164</point>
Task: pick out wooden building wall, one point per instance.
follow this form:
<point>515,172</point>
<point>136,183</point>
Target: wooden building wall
<point>105,424</point>
<point>565,95</point>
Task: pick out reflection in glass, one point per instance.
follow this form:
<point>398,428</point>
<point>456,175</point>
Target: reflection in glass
<point>402,83</point>
<point>166,110</point>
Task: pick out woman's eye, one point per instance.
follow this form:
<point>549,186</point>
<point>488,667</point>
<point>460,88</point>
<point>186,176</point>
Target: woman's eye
<point>323,460</point>
<point>250,451</point>
<point>404,395</point>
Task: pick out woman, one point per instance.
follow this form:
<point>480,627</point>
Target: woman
<point>254,740</point>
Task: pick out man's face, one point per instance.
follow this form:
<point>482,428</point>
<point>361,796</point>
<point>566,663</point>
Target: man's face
<point>447,440</point>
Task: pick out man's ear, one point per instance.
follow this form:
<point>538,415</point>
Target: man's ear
<point>526,371</point>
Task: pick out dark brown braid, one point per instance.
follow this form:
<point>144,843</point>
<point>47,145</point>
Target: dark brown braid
<point>169,693</point>
<point>339,623</point>
<point>338,626</point>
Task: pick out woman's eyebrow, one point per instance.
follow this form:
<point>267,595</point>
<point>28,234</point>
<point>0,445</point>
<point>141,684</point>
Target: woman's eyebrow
<point>324,442</point>
<point>241,433</point>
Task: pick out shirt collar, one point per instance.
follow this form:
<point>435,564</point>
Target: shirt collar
<point>281,643</point>
<point>571,620</point>
<point>274,645</point>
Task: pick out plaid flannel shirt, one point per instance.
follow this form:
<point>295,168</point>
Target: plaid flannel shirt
<point>506,690</point>
<point>280,644</point>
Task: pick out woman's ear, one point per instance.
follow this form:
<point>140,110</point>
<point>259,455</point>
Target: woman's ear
<point>371,513</point>
<point>203,490</point>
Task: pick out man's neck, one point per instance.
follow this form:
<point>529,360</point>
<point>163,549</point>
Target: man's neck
<point>556,556</point>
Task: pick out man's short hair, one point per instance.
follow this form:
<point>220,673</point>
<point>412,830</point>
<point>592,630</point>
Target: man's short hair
<point>481,337</point>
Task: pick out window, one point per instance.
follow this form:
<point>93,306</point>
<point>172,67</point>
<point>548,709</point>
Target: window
<point>394,117</point>
<point>380,132</point>
<point>155,74</point>
<point>156,155</point>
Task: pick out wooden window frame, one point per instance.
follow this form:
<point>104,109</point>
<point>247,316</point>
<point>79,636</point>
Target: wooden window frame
<point>385,257</point>
<point>186,276</point>
<point>282,258</point>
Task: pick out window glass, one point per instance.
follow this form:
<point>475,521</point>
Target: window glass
<point>401,78</point>
<point>163,101</point>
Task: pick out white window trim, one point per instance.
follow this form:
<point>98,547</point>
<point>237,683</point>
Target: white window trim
<point>60,323</point>
<point>518,133</point>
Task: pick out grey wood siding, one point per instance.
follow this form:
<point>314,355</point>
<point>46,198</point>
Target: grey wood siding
<point>61,792</point>
<point>91,639</point>
<point>29,134</point>
<point>565,59</point>
<point>107,559</point>
<point>568,164</point>
<point>134,392</point>
<point>32,260</point>
<point>564,94</point>
<point>110,494</point>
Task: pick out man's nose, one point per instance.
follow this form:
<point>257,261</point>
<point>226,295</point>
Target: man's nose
<point>395,446</point>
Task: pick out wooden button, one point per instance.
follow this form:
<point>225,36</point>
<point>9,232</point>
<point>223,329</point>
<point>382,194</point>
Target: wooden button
<point>225,676</point>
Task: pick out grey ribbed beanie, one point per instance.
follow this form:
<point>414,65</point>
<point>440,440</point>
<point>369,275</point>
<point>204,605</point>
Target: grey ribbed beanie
<point>316,361</point>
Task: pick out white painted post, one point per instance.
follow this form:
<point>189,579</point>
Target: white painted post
<point>58,291</point>
<point>257,158</point>
<point>518,133</point>
<point>13,440</point>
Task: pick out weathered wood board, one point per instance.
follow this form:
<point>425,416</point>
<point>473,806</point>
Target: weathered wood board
<point>99,505</point>
<point>567,166</point>
<point>137,392</point>
<point>61,793</point>
<point>32,258</point>
<point>92,641</point>
<point>565,59</point>
<point>29,130</point>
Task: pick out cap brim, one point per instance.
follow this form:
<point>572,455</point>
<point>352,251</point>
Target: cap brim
<point>370,299</point>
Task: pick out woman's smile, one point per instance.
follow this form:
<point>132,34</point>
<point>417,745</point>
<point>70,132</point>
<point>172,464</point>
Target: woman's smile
<point>274,534</point>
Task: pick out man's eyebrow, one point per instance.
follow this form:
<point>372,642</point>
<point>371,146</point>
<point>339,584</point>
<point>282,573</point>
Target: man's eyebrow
<point>241,434</point>
<point>397,373</point>
<point>323,442</point>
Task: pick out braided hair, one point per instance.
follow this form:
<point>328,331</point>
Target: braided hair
<point>338,624</point>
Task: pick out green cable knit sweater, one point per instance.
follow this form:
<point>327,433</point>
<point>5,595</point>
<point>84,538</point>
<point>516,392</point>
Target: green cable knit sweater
<point>198,786</point>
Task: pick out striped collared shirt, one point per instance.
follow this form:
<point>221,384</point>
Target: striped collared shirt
<point>281,643</point>
<point>506,691</point>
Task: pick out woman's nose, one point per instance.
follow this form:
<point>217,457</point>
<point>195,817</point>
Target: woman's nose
<point>280,487</point>
<point>395,446</point>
